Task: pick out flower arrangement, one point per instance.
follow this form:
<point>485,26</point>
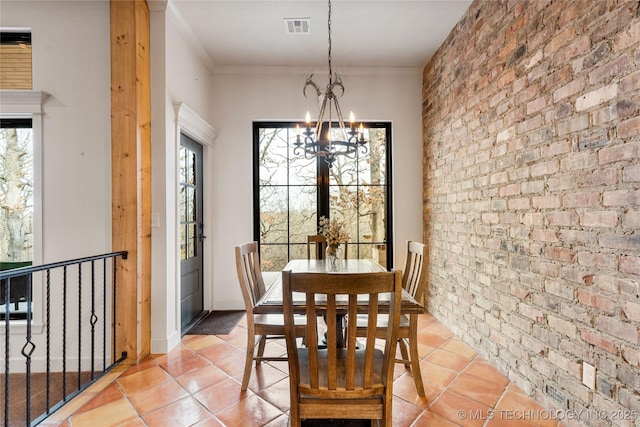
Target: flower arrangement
<point>334,232</point>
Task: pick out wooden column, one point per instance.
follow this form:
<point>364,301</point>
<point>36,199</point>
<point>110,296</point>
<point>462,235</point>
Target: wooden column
<point>131,173</point>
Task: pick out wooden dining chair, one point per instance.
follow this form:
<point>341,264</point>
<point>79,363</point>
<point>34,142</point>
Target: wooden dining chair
<point>353,382</point>
<point>319,244</point>
<point>260,327</point>
<point>414,281</point>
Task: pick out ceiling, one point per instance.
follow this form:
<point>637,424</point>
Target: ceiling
<point>374,33</point>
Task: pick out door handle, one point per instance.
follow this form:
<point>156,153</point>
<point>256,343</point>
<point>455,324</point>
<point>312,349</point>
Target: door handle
<point>200,231</point>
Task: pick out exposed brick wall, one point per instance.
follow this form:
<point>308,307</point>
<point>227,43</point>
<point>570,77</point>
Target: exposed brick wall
<point>531,113</point>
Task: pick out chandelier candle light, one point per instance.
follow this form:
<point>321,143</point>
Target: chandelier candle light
<point>313,144</point>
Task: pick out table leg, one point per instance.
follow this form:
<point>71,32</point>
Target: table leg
<point>339,331</point>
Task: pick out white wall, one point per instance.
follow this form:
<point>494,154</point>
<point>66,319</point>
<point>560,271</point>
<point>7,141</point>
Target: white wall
<point>178,77</point>
<point>71,62</point>
<point>243,95</point>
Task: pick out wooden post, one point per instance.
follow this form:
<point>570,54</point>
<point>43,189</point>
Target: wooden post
<point>131,173</point>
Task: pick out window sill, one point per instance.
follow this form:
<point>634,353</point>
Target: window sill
<point>19,327</point>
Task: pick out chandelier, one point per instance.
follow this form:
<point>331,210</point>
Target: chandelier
<point>313,142</point>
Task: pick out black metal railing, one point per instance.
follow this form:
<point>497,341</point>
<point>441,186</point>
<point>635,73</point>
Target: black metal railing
<point>72,306</point>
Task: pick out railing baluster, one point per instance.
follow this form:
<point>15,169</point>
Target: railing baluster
<point>48,310</point>
<point>94,318</point>
<point>79,325</point>
<point>104,314</point>
<point>64,331</point>
<point>28,348</point>
<point>113,304</point>
<point>7,310</point>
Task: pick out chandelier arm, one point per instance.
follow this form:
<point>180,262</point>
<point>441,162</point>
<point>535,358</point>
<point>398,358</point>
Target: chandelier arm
<point>311,83</point>
<point>320,121</point>
<point>310,154</point>
<point>337,83</point>
<point>350,152</point>
<point>340,119</point>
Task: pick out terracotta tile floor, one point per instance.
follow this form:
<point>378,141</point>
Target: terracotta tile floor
<point>198,384</point>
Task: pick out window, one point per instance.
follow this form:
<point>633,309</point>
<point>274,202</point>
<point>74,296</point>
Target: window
<point>16,209</point>
<point>20,150</point>
<point>15,51</point>
<point>291,193</point>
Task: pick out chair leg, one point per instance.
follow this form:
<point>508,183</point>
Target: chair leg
<point>248,361</point>
<point>387,414</point>
<point>403,351</point>
<point>294,415</point>
<point>415,359</point>
<point>262,341</point>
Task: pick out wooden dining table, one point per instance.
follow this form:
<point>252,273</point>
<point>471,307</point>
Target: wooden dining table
<point>271,301</point>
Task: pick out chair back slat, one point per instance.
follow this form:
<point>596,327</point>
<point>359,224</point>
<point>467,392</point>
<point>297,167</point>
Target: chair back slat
<point>331,337</point>
<point>351,346</point>
<point>312,340</point>
<point>371,339</point>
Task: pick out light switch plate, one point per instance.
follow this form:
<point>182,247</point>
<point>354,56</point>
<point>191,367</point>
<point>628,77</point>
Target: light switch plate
<point>589,375</point>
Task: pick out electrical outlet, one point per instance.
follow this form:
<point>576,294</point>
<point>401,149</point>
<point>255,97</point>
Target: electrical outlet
<point>589,375</point>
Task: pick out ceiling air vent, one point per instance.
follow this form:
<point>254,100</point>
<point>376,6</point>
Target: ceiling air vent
<point>298,25</point>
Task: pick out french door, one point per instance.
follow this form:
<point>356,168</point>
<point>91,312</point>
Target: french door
<point>291,193</point>
<point>191,232</point>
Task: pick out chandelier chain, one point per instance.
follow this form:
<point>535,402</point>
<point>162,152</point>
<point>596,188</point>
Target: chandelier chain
<point>329,55</point>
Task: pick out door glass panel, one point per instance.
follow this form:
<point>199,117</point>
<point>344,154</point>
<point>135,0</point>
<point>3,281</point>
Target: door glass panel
<point>190,167</point>
<point>188,204</point>
<point>183,204</point>
<point>191,204</point>
<point>191,241</point>
<point>183,241</point>
<point>183,164</point>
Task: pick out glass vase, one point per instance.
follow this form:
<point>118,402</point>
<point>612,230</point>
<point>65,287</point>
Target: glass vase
<point>332,258</point>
